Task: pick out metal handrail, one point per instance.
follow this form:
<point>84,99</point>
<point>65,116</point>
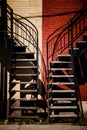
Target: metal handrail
<point>63,38</point>
<point>22,31</point>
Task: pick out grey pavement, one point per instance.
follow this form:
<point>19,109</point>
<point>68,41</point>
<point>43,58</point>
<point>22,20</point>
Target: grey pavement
<point>43,127</point>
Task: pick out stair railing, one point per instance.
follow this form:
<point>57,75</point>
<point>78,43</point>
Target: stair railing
<point>22,30</point>
<point>63,38</point>
<point>24,33</point>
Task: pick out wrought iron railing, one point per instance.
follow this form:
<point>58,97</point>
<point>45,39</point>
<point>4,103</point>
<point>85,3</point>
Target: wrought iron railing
<point>24,33</point>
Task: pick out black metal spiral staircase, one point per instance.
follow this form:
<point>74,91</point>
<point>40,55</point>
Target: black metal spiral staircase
<point>63,52</point>
<point>23,83</point>
<point>24,69</point>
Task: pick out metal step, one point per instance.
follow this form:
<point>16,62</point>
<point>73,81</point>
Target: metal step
<point>24,67</point>
<point>23,60</point>
<point>63,115</point>
<point>56,69</point>
<point>61,91</point>
<point>64,95</point>
<point>64,57</point>
<point>82,45</point>
<point>62,107</point>
<point>62,83</point>
<point>75,51</point>
<point>23,53</point>
<point>62,99</point>
<point>60,62</point>
<point>24,99</point>
<point>85,37</point>
<point>15,45</point>
<point>23,108</point>
<point>61,76</point>
<point>82,42</point>
<point>23,117</point>
<point>17,48</point>
<point>23,75</point>
<point>19,82</point>
<point>25,91</point>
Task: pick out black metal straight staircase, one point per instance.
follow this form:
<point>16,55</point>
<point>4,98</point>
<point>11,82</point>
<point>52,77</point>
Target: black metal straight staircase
<point>62,89</point>
<point>62,67</point>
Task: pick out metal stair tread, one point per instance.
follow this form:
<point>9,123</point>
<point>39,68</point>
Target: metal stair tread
<point>63,107</point>
<point>63,83</point>
<point>25,99</point>
<point>24,108</point>
<point>64,55</point>
<point>23,67</point>
<point>19,46</point>
<point>63,99</point>
<point>20,82</point>
<point>63,115</point>
<point>52,69</point>
<point>60,76</point>
<point>23,74</point>
<point>17,60</point>
<point>52,62</point>
<point>62,91</point>
<point>26,91</point>
<point>82,42</point>
<point>22,52</point>
<point>23,117</point>
<point>75,48</point>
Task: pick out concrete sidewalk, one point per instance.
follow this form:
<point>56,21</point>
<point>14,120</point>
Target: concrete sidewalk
<point>43,127</point>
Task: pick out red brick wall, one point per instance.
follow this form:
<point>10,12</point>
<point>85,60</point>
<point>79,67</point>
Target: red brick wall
<point>56,13</point>
<point>83,91</point>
